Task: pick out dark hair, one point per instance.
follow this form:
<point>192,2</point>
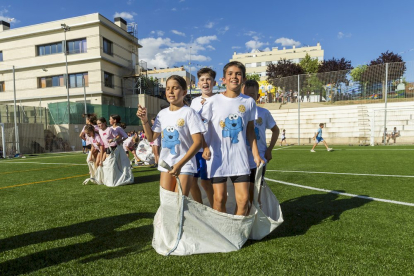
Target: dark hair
<point>208,71</point>
<point>187,100</point>
<point>181,81</point>
<point>237,64</point>
<point>116,117</point>
<point>91,117</point>
<point>123,125</point>
<point>321,124</point>
<point>89,128</point>
<point>102,119</point>
<point>251,83</point>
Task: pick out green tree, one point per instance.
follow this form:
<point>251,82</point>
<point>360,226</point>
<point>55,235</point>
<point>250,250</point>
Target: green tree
<point>313,84</point>
<point>254,76</point>
<point>309,65</point>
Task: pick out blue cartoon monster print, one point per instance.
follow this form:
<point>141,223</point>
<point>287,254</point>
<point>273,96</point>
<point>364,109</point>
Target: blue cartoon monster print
<point>256,131</point>
<point>170,139</point>
<point>233,124</point>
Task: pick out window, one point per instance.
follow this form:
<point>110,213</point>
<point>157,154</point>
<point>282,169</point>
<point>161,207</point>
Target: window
<point>107,46</point>
<point>76,46</point>
<point>2,86</point>
<point>108,80</point>
<point>48,49</point>
<point>248,65</point>
<point>51,81</point>
<point>76,80</point>
<point>1,55</point>
<point>268,63</point>
<point>258,64</point>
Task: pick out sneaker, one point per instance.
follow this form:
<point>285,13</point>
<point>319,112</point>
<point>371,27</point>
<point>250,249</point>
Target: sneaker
<point>313,151</point>
<point>329,149</point>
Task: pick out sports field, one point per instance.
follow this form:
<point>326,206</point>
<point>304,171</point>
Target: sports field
<point>347,212</point>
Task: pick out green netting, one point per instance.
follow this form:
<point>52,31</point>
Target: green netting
<point>58,113</point>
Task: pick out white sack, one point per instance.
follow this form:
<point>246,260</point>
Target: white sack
<point>117,169</point>
<point>144,152</point>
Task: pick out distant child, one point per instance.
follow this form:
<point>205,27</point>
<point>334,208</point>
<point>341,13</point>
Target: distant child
<point>206,82</point>
<point>264,120</point>
<point>283,138</point>
<point>181,130</point>
<point>230,118</point>
<point>90,119</point>
<point>95,141</point>
<point>129,145</point>
<point>318,138</point>
<point>84,150</point>
<point>108,138</point>
<point>118,127</point>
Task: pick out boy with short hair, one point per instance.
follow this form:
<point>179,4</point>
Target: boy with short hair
<point>230,118</point>
<point>318,138</point>
<point>206,82</point>
<point>264,120</point>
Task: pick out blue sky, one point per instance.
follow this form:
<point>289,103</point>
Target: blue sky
<point>357,30</point>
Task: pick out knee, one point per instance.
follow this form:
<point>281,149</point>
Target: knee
<point>242,200</point>
<point>220,198</point>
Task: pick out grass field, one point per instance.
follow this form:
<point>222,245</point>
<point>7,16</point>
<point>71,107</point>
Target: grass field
<point>50,224</point>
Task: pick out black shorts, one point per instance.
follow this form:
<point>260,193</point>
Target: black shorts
<point>88,146</point>
<point>234,179</point>
<point>108,151</point>
<point>253,175</point>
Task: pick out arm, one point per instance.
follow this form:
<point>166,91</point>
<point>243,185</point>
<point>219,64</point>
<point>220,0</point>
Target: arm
<point>142,115</point>
<point>197,142</point>
<point>82,135</point>
<point>206,150</point>
<point>251,137</point>
<point>273,140</point>
<point>101,152</point>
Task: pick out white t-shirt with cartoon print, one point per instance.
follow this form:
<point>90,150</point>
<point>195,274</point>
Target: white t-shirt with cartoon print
<point>227,123</point>
<point>197,106</point>
<point>264,120</point>
<point>176,128</point>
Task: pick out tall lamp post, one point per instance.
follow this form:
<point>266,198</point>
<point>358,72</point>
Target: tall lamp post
<point>65,29</point>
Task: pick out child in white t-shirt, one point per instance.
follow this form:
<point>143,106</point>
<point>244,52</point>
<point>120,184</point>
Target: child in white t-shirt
<point>230,118</point>
<point>181,130</point>
<point>264,120</point>
<point>206,82</point>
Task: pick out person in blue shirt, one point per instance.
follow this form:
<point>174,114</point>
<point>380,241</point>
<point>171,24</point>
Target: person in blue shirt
<point>318,138</point>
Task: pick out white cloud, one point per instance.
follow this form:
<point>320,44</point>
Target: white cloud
<point>125,15</point>
<point>342,35</point>
<point>177,32</point>
<point>209,25</point>
<point>174,9</point>
<point>163,52</point>
<point>250,33</point>
<point>255,44</point>
<point>210,47</point>
<point>223,30</point>
<point>159,33</point>
<point>236,47</point>
<point>130,2</point>
<point>205,39</point>
<point>181,1</point>
<point>267,49</point>
<point>5,17</point>
<point>287,41</point>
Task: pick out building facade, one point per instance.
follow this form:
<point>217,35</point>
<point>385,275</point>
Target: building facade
<point>257,61</point>
<point>100,53</point>
<point>163,74</point>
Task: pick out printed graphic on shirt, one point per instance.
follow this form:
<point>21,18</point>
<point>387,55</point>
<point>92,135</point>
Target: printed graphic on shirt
<point>170,139</point>
<point>233,125</point>
<point>180,122</point>
<point>259,121</point>
<point>256,131</point>
<point>242,108</point>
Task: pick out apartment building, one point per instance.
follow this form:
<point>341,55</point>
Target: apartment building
<point>100,53</point>
<point>162,74</point>
<point>257,61</point>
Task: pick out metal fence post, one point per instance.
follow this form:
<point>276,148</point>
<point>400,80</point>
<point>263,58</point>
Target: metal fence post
<point>16,132</point>
<point>385,110</point>
<point>298,99</point>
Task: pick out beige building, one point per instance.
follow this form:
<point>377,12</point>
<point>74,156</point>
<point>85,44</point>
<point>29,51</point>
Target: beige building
<point>162,74</point>
<point>257,61</point>
<point>99,54</point>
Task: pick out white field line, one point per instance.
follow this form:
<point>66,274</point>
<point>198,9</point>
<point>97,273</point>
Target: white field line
<point>361,174</point>
<point>323,149</point>
<point>340,193</point>
<point>17,162</point>
<point>282,148</point>
<point>29,158</point>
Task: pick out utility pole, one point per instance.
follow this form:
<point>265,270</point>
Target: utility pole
<point>65,29</point>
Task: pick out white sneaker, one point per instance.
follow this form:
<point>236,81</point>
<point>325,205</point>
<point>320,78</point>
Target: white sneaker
<point>313,151</point>
<point>329,149</point>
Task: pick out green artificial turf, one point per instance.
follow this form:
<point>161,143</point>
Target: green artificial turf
<point>51,224</point>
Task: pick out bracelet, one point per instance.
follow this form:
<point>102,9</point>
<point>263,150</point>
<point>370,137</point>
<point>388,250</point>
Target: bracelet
<point>145,123</point>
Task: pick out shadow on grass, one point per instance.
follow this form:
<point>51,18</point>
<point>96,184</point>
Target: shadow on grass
<point>301,213</point>
<point>107,242</point>
<point>142,179</point>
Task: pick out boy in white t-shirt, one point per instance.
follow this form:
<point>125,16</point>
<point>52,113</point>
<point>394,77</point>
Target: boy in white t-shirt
<point>264,120</point>
<point>181,130</point>
<point>206,82</point>
<point>230,118</point>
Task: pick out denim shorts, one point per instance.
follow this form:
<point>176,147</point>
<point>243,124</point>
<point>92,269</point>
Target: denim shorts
<point>187,173</point>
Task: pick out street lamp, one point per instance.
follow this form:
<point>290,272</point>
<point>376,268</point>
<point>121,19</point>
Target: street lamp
<point>65,29</point>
